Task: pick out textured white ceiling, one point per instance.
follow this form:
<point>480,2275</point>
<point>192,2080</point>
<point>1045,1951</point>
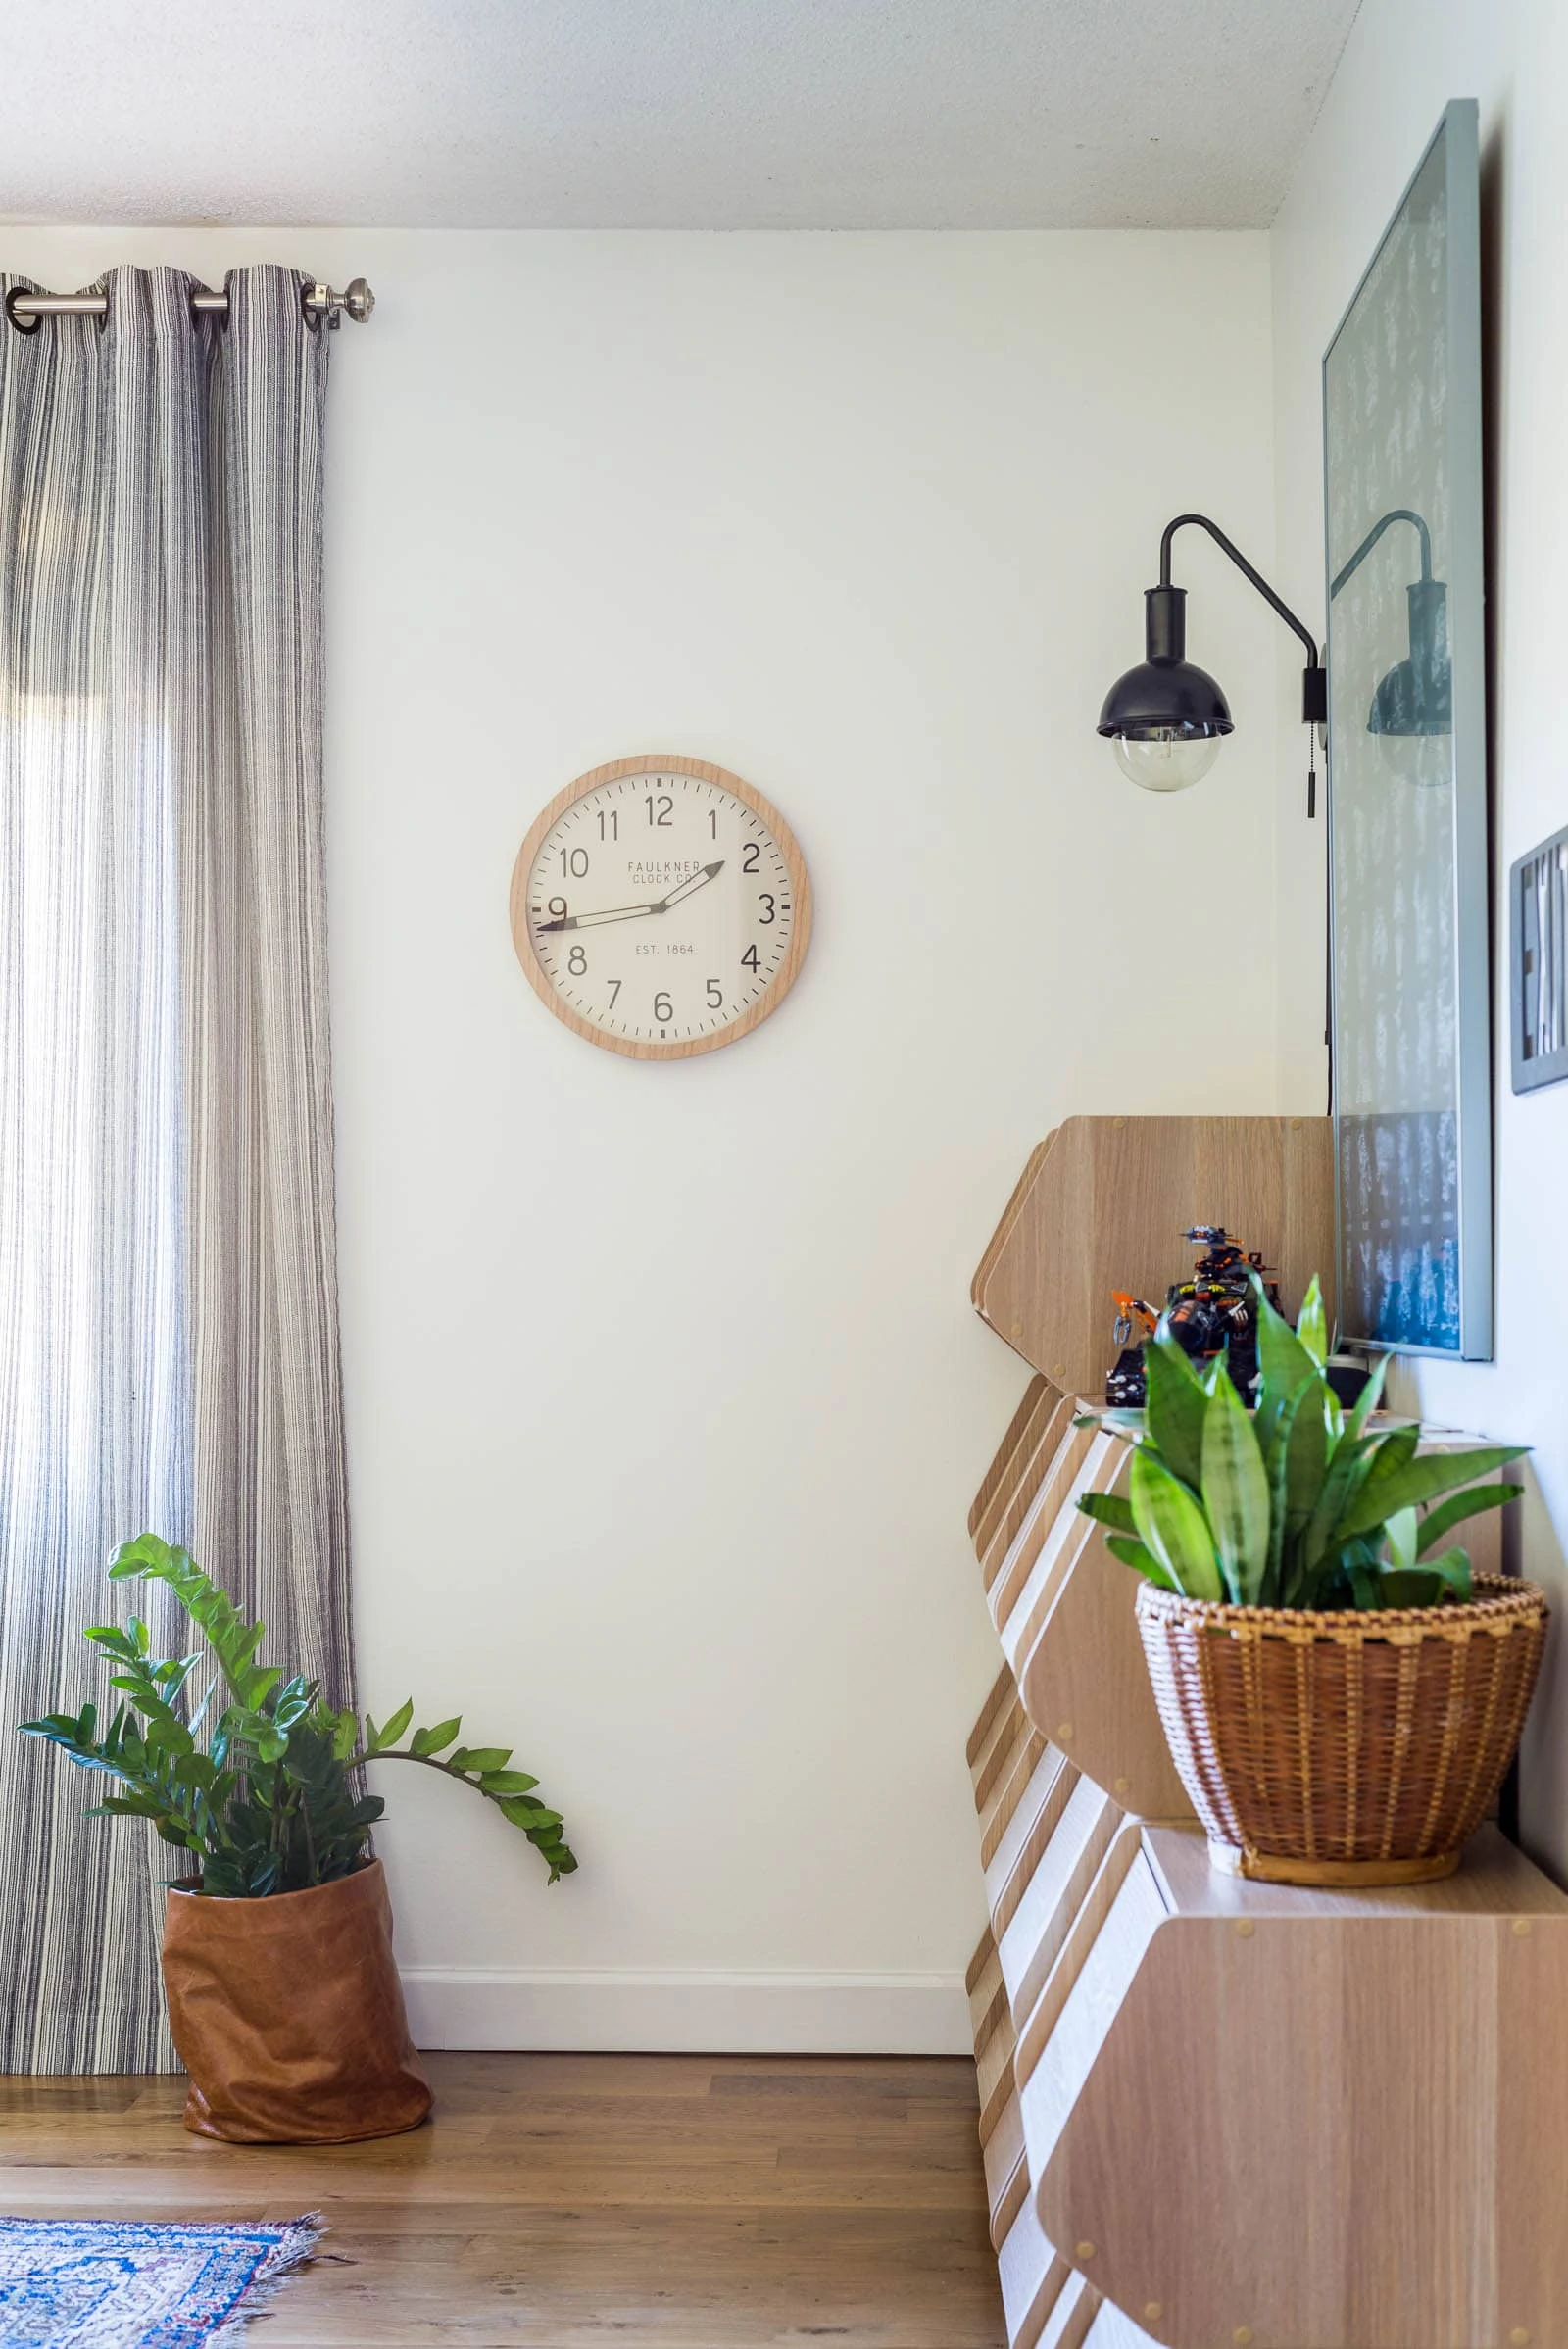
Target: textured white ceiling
<point>700,113</point>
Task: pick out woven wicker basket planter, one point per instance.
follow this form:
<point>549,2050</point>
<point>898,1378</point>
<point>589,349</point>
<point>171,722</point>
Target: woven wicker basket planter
<point>1342,1749</point>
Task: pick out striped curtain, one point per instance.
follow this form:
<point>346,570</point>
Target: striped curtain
<point>168,1287</point>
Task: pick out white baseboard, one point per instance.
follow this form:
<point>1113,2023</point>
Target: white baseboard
<point>688,2013</point>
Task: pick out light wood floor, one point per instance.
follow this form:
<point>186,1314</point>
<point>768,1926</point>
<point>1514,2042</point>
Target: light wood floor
<point>661,2201</point>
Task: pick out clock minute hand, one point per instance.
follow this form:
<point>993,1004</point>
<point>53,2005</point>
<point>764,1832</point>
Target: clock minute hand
<point>588,921</point>
<point>693,881</point>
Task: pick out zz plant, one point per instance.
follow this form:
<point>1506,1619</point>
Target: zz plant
<point>1297,1504</point>
<point>271,1801</point>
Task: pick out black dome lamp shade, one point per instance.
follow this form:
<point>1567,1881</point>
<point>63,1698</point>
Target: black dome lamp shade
<point>1166,718</point>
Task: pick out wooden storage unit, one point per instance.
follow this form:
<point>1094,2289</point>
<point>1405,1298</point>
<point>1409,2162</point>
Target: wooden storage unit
<point>1218,2112</point>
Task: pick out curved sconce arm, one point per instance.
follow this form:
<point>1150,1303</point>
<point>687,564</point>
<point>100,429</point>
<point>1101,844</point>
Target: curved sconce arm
<point>1314,680</point>
<point>1397,514</point>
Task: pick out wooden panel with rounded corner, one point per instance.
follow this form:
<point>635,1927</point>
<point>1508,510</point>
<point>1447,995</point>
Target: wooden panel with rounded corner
<point>1106,1209</point>
<point>1009,1216</point>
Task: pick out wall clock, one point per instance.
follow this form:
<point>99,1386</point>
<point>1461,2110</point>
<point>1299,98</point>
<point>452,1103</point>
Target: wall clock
<point>660,906</point>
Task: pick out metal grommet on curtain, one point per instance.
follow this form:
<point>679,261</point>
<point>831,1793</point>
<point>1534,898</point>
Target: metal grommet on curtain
<point>30,325</point>
<point>314,305</point>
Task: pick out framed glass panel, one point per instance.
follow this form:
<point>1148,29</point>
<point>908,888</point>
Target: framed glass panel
<point>1407,772</point>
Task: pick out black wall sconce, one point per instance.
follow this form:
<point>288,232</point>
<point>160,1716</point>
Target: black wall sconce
<point>1413,703</point>
<point>1166,718</point>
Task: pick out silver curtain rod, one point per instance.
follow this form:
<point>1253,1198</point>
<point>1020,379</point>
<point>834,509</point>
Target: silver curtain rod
<point>355,298</point>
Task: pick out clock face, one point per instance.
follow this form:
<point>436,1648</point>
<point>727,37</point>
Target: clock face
<point>661,907</point>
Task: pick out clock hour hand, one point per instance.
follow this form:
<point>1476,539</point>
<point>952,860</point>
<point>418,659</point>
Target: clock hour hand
<point>587,921</point>
<point>693,881</point>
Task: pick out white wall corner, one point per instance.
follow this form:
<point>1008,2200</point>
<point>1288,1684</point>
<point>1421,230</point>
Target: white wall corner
<point>687,2012</point>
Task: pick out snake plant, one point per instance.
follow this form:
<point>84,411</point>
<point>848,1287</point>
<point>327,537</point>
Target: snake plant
<point>270,1802</point>
<point>1297,1504</point>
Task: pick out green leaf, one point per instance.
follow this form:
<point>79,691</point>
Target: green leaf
<point>522,1813</point>
<point>113,1640</point>
<point>1176,1408</point>
<point>1283,1361</point>
<point>1453,1566</point>
<point>1394,1449</point>
<point>391,1731</point>
<point>1109,1508</point>
<point>430,1741</point>
<point>1236,1499</point>
<point>1307,1462</point>
<point>1422,1480</point>
<point>1348,1471</point>
<point>1367,1402</point>
<point>1449,1513</point>
<point>1172,1527</point>
<point>1400,1532</point>
<point>479,1757</point>
<point>1277,1472</point>
<point>1312,1324</point>
<point>1431,1585</point>
<point>507,1782</point>
<point>1142,1562</point>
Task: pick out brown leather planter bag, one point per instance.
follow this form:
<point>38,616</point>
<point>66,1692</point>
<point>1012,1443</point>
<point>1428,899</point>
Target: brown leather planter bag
<point>288,2015</point>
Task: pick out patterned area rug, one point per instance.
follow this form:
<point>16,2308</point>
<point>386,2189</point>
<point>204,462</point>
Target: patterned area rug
<point>74,2283</point>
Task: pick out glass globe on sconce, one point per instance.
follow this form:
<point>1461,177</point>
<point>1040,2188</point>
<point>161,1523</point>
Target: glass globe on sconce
<point>1168,759</point>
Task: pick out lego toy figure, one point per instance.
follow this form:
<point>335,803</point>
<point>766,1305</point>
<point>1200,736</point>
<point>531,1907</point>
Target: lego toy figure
<point>1124,1386</point>
<point>1213,1312</point>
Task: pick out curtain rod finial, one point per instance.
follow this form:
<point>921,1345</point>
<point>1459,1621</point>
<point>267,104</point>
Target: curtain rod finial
<point>357,299</point>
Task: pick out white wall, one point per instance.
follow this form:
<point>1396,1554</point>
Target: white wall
<point>665,1401</point>
<point>1404,59</point>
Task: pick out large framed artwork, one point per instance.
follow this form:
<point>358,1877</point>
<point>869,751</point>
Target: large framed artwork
<point>1407,770</point>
